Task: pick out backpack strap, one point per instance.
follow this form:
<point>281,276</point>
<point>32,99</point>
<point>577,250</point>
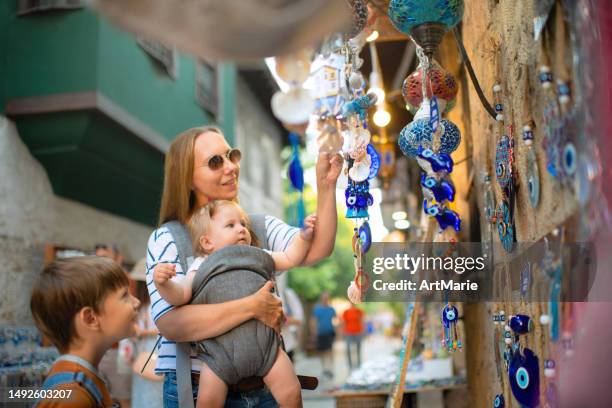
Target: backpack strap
<point>258,225</point>
<point>184,249</point>
<point>78,377</point>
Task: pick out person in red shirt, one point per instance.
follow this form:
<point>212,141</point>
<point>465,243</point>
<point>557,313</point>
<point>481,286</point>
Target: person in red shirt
<point>353,333</point>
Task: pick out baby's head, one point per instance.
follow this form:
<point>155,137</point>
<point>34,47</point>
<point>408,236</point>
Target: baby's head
<point>219,224</point>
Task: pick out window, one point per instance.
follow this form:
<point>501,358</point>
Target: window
<point>31,6</point>
<point>207,88</point>
<point>166,56</point>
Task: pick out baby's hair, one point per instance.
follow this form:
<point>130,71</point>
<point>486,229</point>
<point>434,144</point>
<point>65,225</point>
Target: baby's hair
<point>199,223</point>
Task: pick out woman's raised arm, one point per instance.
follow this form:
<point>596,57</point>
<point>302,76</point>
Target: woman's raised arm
<point>328,169</point>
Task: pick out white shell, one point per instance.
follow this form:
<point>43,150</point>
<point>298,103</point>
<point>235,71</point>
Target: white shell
<point>361,169</point>
<point>544,319</point>
<point>497,88</point>
<point>508,340</point>
<point>499,117</point>
<point>353,293</point>
<point>528,142</point>
<point>549,372</point>
<point>293,107</point>
<point>544,68</point>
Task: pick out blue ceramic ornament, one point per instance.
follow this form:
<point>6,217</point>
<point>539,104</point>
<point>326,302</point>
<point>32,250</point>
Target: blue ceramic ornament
<point>521,324</point>
<point>499,402</point>
<point>375,161</point>
<point>358,199</point>
<point>434,163</point>
<point>419,133</point>
<point>445,217</point>
<point>524,376</point>
<point>296,172</point>
<point>365,236</point>
<point>440,190</point>
<point>408,14</point>
<point>533,179</point>
<point>505,226</point>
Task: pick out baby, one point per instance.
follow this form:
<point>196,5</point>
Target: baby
<point>218,225</point>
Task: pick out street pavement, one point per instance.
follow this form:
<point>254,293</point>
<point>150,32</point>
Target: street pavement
<point>372,346</point>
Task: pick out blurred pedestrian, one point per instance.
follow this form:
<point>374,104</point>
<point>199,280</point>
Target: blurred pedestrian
<point>323,326</point>
<point>352,320</point>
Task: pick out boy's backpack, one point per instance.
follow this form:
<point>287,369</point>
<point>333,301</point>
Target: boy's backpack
<point>69,377</point>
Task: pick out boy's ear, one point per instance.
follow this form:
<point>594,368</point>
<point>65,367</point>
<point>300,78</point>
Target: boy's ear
<point>205,244</point>
<point>88,318</point>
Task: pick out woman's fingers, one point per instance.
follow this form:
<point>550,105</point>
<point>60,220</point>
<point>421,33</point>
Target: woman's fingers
<point>268,307</point>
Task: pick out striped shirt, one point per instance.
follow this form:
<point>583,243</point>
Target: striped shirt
<point>162,248</point>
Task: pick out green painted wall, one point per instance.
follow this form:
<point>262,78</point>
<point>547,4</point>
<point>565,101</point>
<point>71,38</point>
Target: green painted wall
<point>48,53</point>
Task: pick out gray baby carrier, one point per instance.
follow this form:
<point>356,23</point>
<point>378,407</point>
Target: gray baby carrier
<point>220,351</point>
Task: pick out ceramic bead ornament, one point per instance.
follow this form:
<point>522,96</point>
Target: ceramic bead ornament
<point>439,190</point>
<point>439,83</point>
<point>420,133</point>
<point>425,21</point>
<point>533,174</point>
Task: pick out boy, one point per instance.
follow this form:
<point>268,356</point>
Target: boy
<point>83,306</point>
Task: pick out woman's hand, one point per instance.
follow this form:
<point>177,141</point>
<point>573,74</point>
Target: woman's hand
<point>267,307</point>
<point>328,169</point>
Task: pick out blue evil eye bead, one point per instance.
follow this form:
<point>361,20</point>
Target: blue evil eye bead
<point>499,402</point>
<point>523,374</point>
<point>434,163</point>
<point>362,201</point>
<point>431,211</point>
<point>365,235</point>
<point>440,190</point>
<point>450,314</point>
<point>521,324</point>
<point>533,179</point>
<point>408,14</point>
<point>428,182</point>
<point>375,161</point>
<point>499,107</point>
<point>369,200</point>
<point>505,227</point>
<point>502,162</point>
<point>569,159</point>
<point>449,218</point>
<point>351,200</point>
<point>420,133</point>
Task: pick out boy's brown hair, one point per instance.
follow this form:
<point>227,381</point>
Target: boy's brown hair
<point>199,223</point>
<point>66,286</point>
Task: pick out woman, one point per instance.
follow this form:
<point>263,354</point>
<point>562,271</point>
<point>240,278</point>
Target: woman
<point>200,167</point>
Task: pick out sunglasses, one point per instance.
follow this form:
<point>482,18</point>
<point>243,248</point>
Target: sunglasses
<point>216,162</point>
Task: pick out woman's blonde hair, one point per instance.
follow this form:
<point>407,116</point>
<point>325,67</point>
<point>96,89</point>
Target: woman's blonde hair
<point>199,223</point>
<point>178,199</point>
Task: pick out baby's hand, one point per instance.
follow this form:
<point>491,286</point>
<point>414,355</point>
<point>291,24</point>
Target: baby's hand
<point>308,229</point>
<point>163,272</point>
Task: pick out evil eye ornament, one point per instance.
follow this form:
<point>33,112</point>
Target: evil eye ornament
<point>569,159</point>
<point>524,378</point>
<point>503,170</point>
<point>365,235</point>
<point>374,160</point>
<point>533,179</point>
<point>521,324</point>
<point>420,133</point>
<point>449,315</point>
<point>445,217</point>
<point>434,163</point>
<point>499,402</point>
<point>505,227</point>
<point>440,190</point>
